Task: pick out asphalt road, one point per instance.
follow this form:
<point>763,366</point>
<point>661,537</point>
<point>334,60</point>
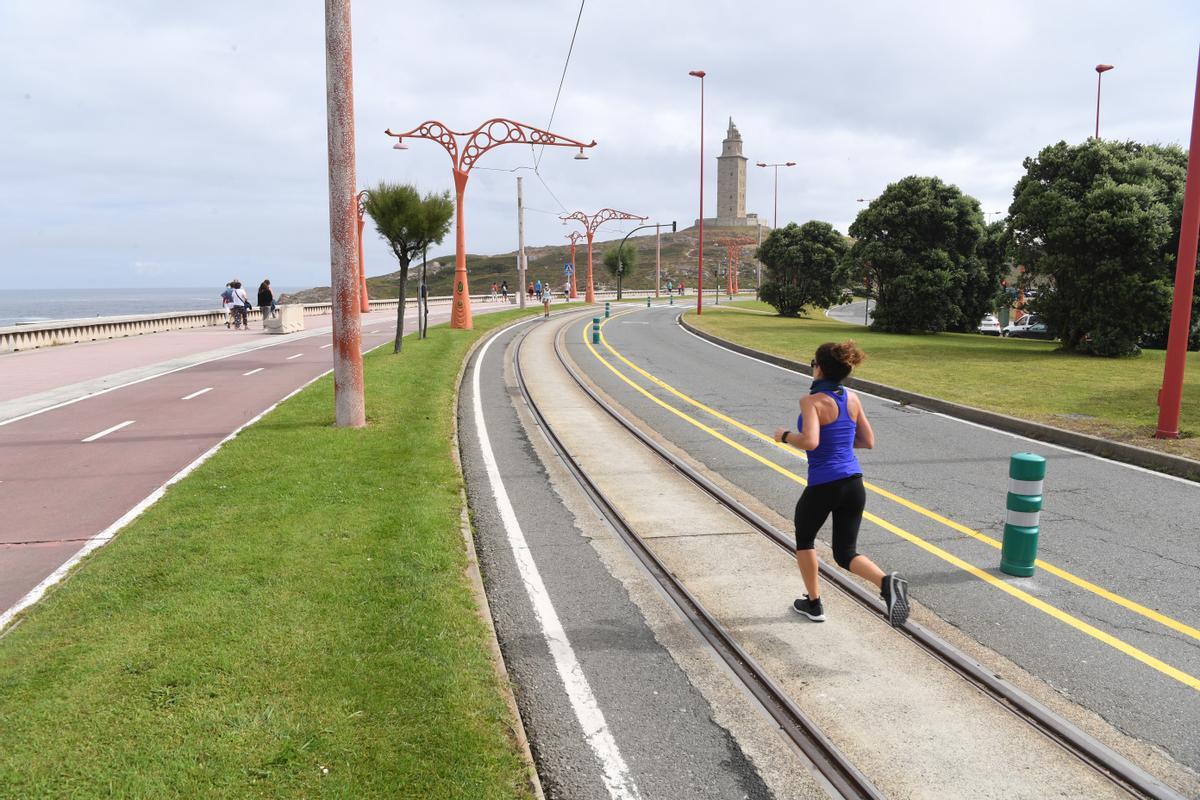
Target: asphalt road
<point>1127,531</point>
<point>69,473</point>
<point>662,725</point>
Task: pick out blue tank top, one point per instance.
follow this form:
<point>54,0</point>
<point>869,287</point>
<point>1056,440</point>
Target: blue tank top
<point>834,457</point>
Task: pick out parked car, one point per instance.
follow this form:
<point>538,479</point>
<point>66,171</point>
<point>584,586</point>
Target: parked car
<point>1035,330</point>
<point>990,326</point>
<point>1020,326</point>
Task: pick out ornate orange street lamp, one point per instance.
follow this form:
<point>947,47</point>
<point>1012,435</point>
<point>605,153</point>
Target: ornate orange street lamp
<point>590,224</point>
<point>574,236</point>
<point>363,300</point>
<point>463,155</point>
<point>732,245</point>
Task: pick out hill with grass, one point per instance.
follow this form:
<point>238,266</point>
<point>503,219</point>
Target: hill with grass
<point>546,264</point>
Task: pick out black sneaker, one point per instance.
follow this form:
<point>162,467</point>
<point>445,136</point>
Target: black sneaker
<point>809,608</point>
<point>895,593</point>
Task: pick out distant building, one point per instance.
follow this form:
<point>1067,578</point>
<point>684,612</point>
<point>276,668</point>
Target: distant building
<point>731,186</point>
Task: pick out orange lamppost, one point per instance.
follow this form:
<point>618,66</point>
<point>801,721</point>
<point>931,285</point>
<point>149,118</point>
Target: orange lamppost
<point>574,236</point>
<point>590,224</point>
<point>363,301</point>
<point>733,245</point>
<point>1100,70</point>
<point>463,155</point>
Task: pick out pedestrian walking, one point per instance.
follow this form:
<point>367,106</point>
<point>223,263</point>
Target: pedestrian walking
<point>537,289</point>
<point>227,301</point>
<point>831,424</point>
<point>529,290</point>
<point>682,291</point>
<point>567,289</point>
<point>240,305</point>
<point>266,301</point>
<point>504,290</point>
<point>493,291</point>
<point>547,297</point>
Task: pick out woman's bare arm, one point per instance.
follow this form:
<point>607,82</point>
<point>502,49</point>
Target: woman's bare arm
<point>864,434</point>
<point>811,435</point>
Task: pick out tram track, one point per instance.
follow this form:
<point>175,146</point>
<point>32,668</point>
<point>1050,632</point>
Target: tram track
<point>842,776</point>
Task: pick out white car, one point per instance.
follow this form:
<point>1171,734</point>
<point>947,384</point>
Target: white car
<point>1020,326</point>
<point>990,326</point>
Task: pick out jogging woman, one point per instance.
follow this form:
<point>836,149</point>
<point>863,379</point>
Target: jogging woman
<point>831,424</point>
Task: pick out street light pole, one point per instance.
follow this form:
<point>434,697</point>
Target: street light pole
<point>699,73</point>
<point>520,243</point>
<point>1100,70</point>
<point>621,253</point>
<point>574,236</point>
<point>590,224</point>
<point>465,149</point>
<point>776,166</point>
<point>1170,397</point>
<point>349,409</point>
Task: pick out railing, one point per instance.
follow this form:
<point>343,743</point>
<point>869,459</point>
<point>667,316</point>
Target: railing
<point>71,331</point>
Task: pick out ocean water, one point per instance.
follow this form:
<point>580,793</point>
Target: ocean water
<point>37,305</point>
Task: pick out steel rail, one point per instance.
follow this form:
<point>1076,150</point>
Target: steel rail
<point>842,776</point>
<point>1120,770</point>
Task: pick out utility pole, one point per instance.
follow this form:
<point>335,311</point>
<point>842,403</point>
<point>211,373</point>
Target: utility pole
<point>349,410</point>
<point>657,258</point>
<point>520,242</point>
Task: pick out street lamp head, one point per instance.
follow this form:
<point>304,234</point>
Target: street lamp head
<point>790,164</point>
<point>759,164</point>
<point>399,145</point>
<point>580,156</point>
<point>697,73</point>
<point>1103,67</point>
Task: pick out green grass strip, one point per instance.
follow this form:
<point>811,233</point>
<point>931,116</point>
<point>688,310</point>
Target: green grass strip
<point>297,604</point>
<point>1025,378</point>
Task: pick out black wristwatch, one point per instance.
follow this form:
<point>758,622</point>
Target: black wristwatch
<point>784,437</point>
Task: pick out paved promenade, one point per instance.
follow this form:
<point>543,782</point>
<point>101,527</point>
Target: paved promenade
<point>90,433</point>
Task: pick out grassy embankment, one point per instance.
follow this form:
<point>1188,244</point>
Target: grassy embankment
<point>1113,398</point>
<point>298,604</point>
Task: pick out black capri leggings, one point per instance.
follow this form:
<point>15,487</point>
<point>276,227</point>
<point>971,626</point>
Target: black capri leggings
<point>845,499</point>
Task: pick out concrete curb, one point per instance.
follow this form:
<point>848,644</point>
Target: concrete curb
<point>476,579</point>
<point>1117,451</point>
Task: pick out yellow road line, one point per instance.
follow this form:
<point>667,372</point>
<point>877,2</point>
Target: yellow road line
<point>1041,605</point>
<point>1082,583</point>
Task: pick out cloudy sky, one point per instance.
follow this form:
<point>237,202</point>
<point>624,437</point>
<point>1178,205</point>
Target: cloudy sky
<point>145,143</point>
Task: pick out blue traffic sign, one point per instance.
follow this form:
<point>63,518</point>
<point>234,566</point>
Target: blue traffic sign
<point>568,269</point>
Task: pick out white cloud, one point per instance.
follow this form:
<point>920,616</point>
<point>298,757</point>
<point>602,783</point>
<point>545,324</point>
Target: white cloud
<point>193,136</point>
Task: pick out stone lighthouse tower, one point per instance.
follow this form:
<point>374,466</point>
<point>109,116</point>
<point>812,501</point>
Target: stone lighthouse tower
<point>731,178</point>
<point>731,185</point>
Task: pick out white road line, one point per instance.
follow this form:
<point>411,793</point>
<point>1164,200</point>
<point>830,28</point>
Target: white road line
<point>595,729</point>
<point>327,346</point>
<point>197,394</point>
<point>107,431</point>
<point>251,372</point>
<point>108,389</point>
<point>289,358</point>
<point>979,425</point>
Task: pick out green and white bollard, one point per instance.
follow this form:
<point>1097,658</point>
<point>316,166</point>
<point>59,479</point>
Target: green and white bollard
<point>1026,477</point>
<point>595,330</point>
<point>607,309</point>
<point>671,299</point>
<point>647,301</point>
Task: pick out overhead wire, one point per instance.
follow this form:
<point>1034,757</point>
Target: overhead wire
<point>562,79</point>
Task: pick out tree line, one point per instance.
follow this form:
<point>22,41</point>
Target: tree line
<point>1094,227</point>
